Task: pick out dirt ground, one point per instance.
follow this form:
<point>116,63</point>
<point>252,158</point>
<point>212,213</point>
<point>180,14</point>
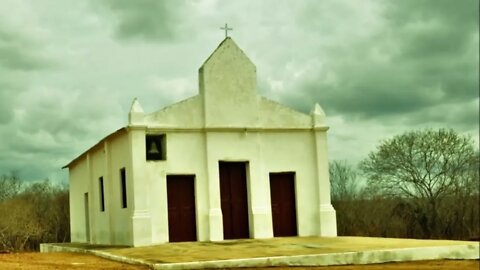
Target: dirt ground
<point>50,261</point>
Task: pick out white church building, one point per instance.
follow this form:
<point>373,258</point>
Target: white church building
<point>224,164</point>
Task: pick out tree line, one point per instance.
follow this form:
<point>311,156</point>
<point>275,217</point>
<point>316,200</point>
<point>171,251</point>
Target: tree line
<point>31,214</point>
<point>420,184</point>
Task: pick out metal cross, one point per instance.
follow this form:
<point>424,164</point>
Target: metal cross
<point>226,28</point>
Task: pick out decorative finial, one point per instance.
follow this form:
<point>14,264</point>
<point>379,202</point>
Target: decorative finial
<point>317,109</point>
<point>226,28</point>
<point>136,108</point>
<point>136,114</point>
<point>318,116</point>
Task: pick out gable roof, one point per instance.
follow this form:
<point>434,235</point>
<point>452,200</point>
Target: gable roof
<point>227,41</point>
<point>106,138</point>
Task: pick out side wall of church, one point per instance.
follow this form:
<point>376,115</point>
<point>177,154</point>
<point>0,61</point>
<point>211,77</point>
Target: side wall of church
<point>79,186</point>
<point>120,228</point>
<point>107,224</point>
<point>99,220</point>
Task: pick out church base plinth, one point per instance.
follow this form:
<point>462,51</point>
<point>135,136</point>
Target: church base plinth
<point>328,221</point>
<point>142,229</point>
<point>215,224</point>
<point>262,224</point>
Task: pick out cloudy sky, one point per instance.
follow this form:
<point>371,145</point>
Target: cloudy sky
<point>70,69</point>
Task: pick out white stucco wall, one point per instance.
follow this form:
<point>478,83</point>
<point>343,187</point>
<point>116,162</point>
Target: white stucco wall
<point>120,229</point>
<point>104,160</point>
<point>228,76</point>
<point>99,220</point>
<point>294,151</point>
<point>184,114</point>
<point>265,152</point>
<point>185,155</point>
<point>79,184</point>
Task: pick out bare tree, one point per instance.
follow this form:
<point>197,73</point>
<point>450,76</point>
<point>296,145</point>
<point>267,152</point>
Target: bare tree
<point>10,185</point>
<point>424,168</point>
<point>343,179</point>
<point>36,213</point>
<point>344,188</point>
<point>462,210</point>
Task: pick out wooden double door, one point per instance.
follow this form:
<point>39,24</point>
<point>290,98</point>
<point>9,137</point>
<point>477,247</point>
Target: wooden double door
<point>181,208</point>
<point>282,194</point>
<point>234,203</point>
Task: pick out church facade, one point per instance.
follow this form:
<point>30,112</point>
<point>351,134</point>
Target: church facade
<point>224,164</point>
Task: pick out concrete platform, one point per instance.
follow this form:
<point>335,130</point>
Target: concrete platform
<point>288,251</point>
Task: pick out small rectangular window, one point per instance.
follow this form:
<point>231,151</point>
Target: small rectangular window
<point>155,146</point>
<point>102,195</point>
<point>123,187</point>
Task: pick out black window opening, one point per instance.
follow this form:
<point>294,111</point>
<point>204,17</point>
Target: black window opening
<point>123,187</point>
<point>102,195</point>
<point>156,147</point>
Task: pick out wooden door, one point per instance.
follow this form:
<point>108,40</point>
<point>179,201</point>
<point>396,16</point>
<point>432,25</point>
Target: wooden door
<point>181,208</point>
<point>233,193</point>
<point>282,192</point>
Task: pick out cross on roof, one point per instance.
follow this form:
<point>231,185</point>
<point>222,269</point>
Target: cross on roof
<point>226,28</point>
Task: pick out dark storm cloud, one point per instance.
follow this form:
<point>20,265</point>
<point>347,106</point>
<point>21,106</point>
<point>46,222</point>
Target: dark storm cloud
<point>35,150</point>
<point>387,64</point>
<point>465,117</point>
<point>6,90</point>
<point>18,56</point>
<point>146,19</point>
<point>18,53</point>
<point>425,55</point>
<point>29,166</point>
<point>14,57</point>
<point>52,127</point>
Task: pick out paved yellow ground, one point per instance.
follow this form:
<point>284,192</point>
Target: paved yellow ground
<point>255,248</point>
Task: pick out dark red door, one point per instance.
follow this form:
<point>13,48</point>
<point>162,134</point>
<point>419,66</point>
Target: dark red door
<point>181,208</point>
<point>282,192</point>
<point>233,193</point>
